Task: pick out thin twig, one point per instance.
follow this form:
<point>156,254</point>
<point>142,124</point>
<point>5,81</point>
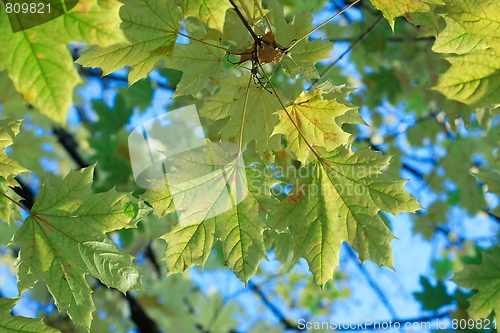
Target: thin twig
<point>277,312</point>
<point>352,46</point>
<point>373,284</point>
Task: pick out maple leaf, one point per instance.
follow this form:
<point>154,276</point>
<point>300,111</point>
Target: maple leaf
<point>480,19</point>
<point>311,120</point>
<point>337,199</point>
<point>9,212</point>
<point>239,226</point>
<point>304,53</point>
<point>9,168</point>
<point>484,277</point>
<point>432,297</point>
<point>151,28</point>
<point>8,130</point>
<point>210,12</point>
<point>16,324</point>
<point>28,56</point>
<point>250,109</point>
<point>234,30</point>
<point>394,8</point>
<point>64,238</point>
<point>472,78</point>
<point>455,39</point>
<point>201,64</point>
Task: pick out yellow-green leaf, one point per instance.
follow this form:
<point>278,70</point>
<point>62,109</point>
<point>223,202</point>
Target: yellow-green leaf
<point>486,279</point>
<point>210,12</point>
<point>455,39</point>
<point>8,130</point>
<point>337,199</point>
<point>64,238</point>
<point>250,109</point>
<point>473,78</point>
<point>39,63</point>
<point>16,324</point>
<point>394,8</point>
<point>151,28</point>
<point>310,121</point>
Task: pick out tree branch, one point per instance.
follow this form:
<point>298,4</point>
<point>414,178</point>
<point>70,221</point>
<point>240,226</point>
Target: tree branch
<point>141,319</point>
<point>352,46</point>
<point>373,284</point>
<point>70,145</point>
<point>277,312</point>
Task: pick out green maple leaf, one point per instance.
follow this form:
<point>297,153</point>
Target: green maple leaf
<point>151,28</point>
<point>250,109</point>
<point>201,64</point>
<point>110,121</point>
<point>337,199</point>
<point>9,212</point>
<point>392,9</point>
<point>428,21</point>
<point>210,12</point>
<point>473,78</point>
<point>433,297</point>
<point>16,324</point>
<point>29,56</point>
<point>455,39</point>
<point>312,121</point>
<point>64,238</point>
<point>239,228</point>
<point>8,130</point>
<point>479,18</point>
<point>484,277</point>
<point>304,54</point>
<point>233,27</point>
<point>286,32</point>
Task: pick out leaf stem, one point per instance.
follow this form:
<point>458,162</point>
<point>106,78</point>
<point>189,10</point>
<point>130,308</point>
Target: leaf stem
<point>353,45</point>
<point>243,114</point>
<point>17,203</point>
<point>290,117</point>
<point>208,44</point>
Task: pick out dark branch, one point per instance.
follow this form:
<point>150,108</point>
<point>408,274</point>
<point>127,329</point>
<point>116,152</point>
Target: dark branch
<point>140,317</point>
<point>245,22</point>
<point>70,145</point>
<point>277,312</point>
<point>373,284</point>
<point>152,258</point>
<point>27,195</point>
<point>352,46</point>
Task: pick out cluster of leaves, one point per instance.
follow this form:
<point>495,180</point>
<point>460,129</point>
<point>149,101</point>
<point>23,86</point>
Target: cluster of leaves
<point>316,181</point>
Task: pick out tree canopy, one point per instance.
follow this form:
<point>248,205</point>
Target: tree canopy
<point>325,124</point>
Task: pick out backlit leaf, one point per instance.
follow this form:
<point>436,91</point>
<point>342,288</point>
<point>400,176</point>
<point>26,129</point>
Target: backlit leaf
<point>486,279</point>
<point>151,28</point>
<point>340,204</point>
<point>16,324</point>
<point>64,238</point>
<point>28,56</point>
